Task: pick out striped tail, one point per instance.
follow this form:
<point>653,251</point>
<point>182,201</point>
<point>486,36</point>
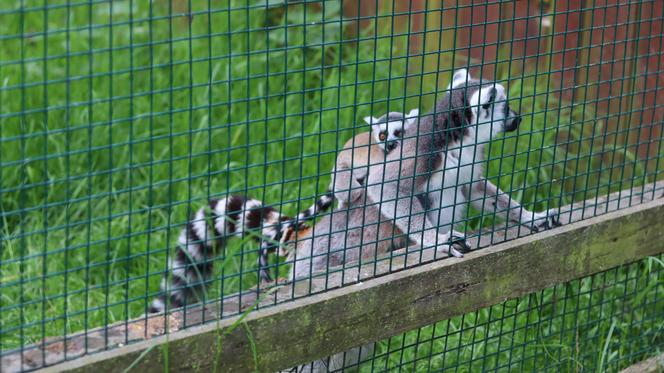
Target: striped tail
<point>280,234</point>
<point>323,203</point>
<point>191,266</point>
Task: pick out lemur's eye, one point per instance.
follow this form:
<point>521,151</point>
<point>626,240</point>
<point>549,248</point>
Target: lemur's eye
<point>397,133</point>
<point>382,136</point>
<point>492,98</point>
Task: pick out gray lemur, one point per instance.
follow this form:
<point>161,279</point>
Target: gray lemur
<point>426,183</point>
<point>424,187</point>
<point>352,165</point>
<point>355,229</point>
<point>191,265</point>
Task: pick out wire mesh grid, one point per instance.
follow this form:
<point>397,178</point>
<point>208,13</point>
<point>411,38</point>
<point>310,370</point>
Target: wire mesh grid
<point>604,322</point>
<point>119,120</point>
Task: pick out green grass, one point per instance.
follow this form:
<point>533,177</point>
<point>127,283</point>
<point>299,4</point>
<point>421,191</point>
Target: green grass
<point>111,135</point>
<point>600,323</point>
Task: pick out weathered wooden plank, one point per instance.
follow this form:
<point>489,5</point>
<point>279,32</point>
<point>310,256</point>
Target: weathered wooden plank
<point>319,325</point>
<point>653,365</point>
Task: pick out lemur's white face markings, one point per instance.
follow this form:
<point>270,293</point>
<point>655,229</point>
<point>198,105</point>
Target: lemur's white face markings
<point>388,129</point>
<point>491,114</point>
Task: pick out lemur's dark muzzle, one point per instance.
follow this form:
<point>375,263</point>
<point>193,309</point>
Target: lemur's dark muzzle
<point>512,122</point>
<point>390,145</point>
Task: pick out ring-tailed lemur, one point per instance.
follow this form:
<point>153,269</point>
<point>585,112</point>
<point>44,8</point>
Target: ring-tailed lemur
<point>354,230</point>
<point>351,167</point>
<point>191,265</point>
<point>350,171</point>
<point>426,183</point>
<point>441,158</point>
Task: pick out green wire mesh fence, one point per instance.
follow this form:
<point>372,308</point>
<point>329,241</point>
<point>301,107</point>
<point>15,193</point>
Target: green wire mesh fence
<point>120,120</point>
<point>603,322</point>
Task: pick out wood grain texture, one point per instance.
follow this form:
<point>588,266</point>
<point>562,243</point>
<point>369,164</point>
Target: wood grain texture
<point>653,365</point>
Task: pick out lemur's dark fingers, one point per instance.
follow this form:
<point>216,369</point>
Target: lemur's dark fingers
<point>555,221</point>
<point>550,220</point>
<point>265,275</point>
<point>460,243</point>
<point>452,251</point>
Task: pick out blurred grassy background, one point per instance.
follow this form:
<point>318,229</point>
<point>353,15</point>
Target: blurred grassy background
<point>118,119</point>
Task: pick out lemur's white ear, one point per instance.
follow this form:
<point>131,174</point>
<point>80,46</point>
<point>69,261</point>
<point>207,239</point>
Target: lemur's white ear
<point>459,76</point>
<point>370,120</point>
<point>413,114</point>
<point>411,117</point>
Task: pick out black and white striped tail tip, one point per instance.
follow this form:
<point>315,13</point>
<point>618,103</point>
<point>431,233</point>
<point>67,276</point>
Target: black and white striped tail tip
<point>158,305</point>
<point>323,203</point>
<point>207,232</point>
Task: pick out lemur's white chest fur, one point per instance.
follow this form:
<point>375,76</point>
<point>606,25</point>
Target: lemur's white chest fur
<point>446,188</point>
<point>461,161</point>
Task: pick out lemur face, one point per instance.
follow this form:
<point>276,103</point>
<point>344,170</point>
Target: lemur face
<point>388,129</point>
<point>487,101</point>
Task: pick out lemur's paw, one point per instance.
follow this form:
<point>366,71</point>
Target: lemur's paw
<point>451,250</point>
<point>545,220</point>
<point>457,245</point>
<point>301,225</point>
<point>265,285</point>
<point>264,277</point>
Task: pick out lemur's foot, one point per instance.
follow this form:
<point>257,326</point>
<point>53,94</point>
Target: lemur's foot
<point>457,245</point>
<point>544,220</point>
<point>265,285</point>
<point>264,276</point>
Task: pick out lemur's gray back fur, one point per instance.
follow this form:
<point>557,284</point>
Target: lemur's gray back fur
<point>424,141</point>
<point>345,235</point>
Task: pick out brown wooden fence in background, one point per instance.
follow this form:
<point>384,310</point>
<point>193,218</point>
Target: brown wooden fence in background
<point>602,54</point>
